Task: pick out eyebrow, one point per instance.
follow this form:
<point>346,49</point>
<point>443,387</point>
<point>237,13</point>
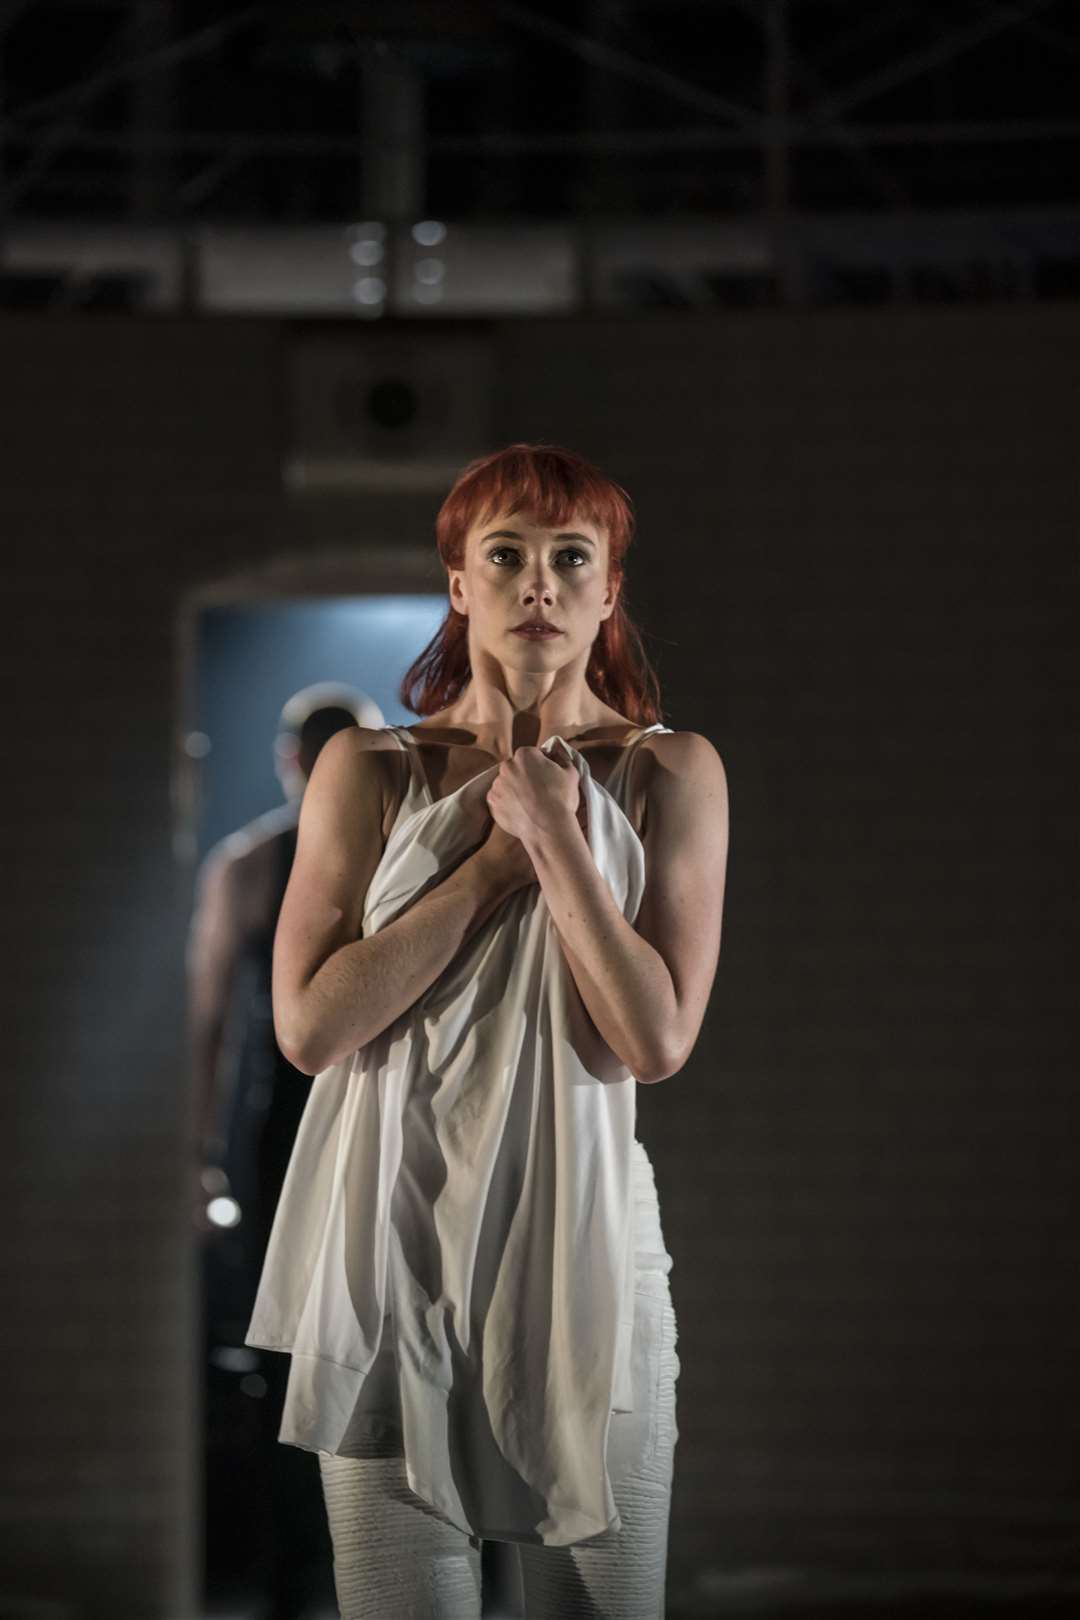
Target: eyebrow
<point>512,534</point>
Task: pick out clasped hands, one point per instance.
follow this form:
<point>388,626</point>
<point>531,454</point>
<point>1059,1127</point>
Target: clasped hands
<point>534,796</point>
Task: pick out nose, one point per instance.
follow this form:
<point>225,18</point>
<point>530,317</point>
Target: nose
<point>538,589</point>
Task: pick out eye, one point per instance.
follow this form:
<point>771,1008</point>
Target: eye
<point>571,551</point>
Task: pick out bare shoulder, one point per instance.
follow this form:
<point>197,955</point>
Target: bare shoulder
<point>677,771</point>
<point>686,848</point>
<point>691,748</point>
<point>359,749</point>
<point>682,757</point>
<point>363,740</point>
<point>360,762</point>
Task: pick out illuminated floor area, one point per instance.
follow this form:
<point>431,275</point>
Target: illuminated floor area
<point>766,1593</point>
<point>927,1609</point>
<point>249,1614</point>
<point>814,1594</point>
<point>931,1602</point>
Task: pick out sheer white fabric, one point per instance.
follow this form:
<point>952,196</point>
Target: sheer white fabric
<point>463,1184</point>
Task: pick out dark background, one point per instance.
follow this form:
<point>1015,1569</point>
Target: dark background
<point>856,571</point>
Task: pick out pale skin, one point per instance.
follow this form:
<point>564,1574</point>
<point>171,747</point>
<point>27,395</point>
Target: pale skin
<point>645,985</point>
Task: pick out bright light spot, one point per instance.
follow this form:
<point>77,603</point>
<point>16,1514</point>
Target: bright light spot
<point>223,1212</point>
<point>429,270</point>
<point>366,252</point>
<point>429,232</point>
<point>197,745</point>
<point>234,1358</point>
<point>409,617</point>
<point>369,290</point>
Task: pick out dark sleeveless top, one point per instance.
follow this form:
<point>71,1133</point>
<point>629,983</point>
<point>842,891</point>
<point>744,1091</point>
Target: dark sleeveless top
<point>270,1094</point>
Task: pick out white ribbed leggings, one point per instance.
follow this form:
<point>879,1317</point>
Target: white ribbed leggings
<point>397,1558</point>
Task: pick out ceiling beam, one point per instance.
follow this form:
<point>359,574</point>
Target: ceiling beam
<point>916,63</point>
<point>82,93</point>
<point>879,179</point>
<point>616,60</point>
<point>255,143</point>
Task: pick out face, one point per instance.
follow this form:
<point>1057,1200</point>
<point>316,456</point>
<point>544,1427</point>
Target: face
<point>515,570</point>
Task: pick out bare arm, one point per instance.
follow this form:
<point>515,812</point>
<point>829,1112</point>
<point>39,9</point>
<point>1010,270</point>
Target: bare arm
<point>364,986</point>
<point>646,986</point>
<point>214,943</point>
<point>333,991</point>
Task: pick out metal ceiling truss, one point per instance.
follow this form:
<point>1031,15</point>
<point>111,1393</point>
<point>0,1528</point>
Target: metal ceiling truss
<point>799,109</point>
<point>48,124</point>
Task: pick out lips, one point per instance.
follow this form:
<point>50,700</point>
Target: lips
<point>538,632</point>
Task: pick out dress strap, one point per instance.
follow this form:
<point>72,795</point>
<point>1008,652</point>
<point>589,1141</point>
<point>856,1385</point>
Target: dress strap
<point>617,775</point>
<point>418,783</point>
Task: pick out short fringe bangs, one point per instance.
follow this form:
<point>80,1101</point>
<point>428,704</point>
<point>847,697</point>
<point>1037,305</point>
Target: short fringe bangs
<point>552,486</point>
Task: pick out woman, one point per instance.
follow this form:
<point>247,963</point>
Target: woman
<point>499,921</point>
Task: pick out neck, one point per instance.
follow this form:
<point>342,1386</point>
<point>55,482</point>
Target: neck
<point>503,721</point>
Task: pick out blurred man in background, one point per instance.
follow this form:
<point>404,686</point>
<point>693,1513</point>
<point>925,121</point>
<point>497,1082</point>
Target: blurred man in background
<point>246,1103</point>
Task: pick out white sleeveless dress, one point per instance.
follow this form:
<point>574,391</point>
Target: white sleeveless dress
<point>464,1184</point>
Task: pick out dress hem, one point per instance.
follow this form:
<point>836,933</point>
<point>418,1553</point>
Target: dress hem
<point>418,1487</point>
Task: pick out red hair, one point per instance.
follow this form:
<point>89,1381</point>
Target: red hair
<point>552,486</point>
